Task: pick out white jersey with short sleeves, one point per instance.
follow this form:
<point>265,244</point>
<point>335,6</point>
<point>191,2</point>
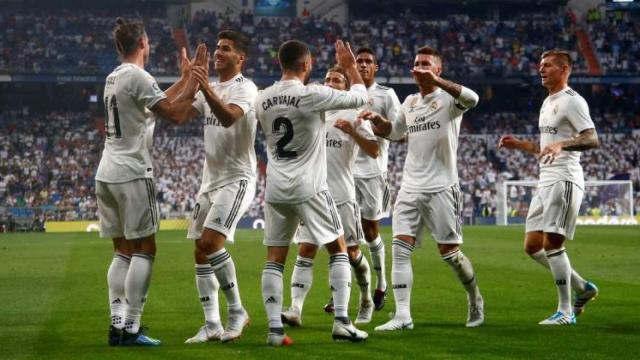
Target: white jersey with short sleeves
<point>229,152</point>
<point>432,125</point>
<point>384,101</point>
<point>129,93</point>
<point>563,115</point>
<point>292,117</point>
<point>342,150</point>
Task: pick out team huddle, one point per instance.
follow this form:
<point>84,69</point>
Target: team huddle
<point>326,182</point>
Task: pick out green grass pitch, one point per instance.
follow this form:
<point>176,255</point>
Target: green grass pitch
<point>53,301</point>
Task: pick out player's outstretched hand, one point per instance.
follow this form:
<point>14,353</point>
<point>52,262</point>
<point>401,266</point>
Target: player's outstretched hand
<point>344,55</point>
<point>201,55</point>
<point>185,64</point>
<point>423,76</point>
<point>508,142</point>
<point>550,152</point>
<point>344,125</point>
<point>370,115</point>
<point>201,75</point>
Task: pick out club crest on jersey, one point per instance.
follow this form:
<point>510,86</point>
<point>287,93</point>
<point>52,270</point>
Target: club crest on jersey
<point>555,109</point>
<point>434,105</point>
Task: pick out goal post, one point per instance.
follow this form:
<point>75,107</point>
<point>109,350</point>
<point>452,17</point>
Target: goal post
<point>605,202</point>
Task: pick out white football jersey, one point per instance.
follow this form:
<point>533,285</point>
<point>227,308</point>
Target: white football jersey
<point>563,115</point>
<point>384,101</point>
<point>292,117</point>
<point>432,125</point>
<point>128,94</point>
<point>229,152</point>
<point>342,150</point>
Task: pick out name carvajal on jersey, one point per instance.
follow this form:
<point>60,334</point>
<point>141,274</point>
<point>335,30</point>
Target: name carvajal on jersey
<point>285,100</point>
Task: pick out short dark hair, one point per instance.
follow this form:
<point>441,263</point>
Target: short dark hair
<point>562,55</point>
<point>240,40</point>
<point>367,50</point>
<point>340,70</point>
<point>126,35</point>
<point>428,50</point>
<point>291,54</point>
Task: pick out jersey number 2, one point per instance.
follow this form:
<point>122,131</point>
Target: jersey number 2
<point>112,118</point>
<point>285,139</point>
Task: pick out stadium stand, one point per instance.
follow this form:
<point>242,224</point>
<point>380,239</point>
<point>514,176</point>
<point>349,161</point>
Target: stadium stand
<point>48,174</point>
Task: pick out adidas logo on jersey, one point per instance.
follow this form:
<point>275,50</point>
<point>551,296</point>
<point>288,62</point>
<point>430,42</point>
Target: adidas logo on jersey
<point>271,300</point>
<point>400,286</point>
<point>297,285</point>
<point>117,301</point>
<point>205,298</point>
<point>217,221</point>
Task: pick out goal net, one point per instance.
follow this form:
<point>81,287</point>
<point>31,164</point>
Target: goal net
<point>608,202</point>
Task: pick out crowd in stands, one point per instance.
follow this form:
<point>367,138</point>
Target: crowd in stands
<point>615,38</point>
<point>72,42</point>
<point>48,163</point>
<point>79,43</point>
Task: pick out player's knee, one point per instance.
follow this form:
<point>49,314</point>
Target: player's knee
<point>337,246</point>
<point>200,253</point>
<point>146,245</point>
<point>531,249</point>
<point>447,248</point>
<point>553,241</point>
<point>353,252</point>
<point>370,229</point>
<point>307,250</point>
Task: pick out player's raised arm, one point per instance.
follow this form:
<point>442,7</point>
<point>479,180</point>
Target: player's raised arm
<point>179,109</point>
<point>347,61</point>
<point>226,113</point>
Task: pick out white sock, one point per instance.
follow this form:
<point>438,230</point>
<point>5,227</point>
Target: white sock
<point>463,268</point>
<point>207,285</point>
<point>272,294</point>
<point>115,280</point>
<point>363,277</point>
<point>340,282</point>
<point>377,260</point>
<point>561,270</point>
<point>301,281</point>
<point>578,284</point>
<point>401,277</point>
<point>136,286</point>
<point>225,271</point>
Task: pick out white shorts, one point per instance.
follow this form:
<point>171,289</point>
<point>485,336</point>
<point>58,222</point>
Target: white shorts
<point>221,209</point>
<point>319,215</point>
<point>373,196</point>
<point>554,209</point>
<point>349,217</point>
<point>127,209</point>
<point>440,212</point>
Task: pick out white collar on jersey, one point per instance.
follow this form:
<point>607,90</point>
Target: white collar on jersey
<point>230,81</point>
<point>372,86</point>
<point>559,93</point>
<point>290,82</point>
<point>431,95</point>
